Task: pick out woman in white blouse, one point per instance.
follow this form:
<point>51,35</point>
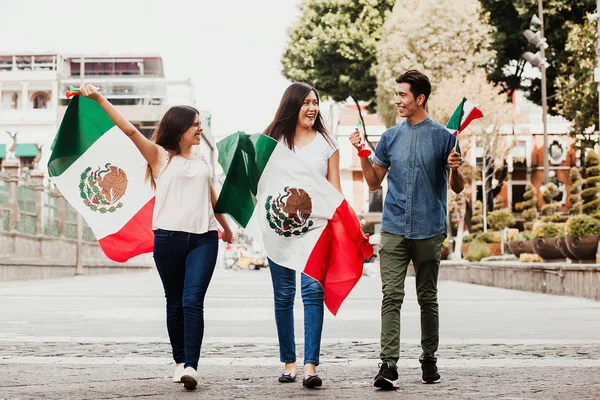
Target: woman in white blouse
<point>298,124</point>
<point>184,224</point>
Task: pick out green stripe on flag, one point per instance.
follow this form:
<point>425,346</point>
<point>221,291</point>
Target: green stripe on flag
<point>243,158</point>
<point>456,118</point>
<point>84,123</point>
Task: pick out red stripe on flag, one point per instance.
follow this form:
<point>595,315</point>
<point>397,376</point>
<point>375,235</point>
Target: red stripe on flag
<point>475,113</point>
<point>338,256</point>
<point>135,238</point>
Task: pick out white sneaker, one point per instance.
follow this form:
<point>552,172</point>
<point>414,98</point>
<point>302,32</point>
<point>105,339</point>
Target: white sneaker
<point>178,373</point>
<point>189,378</point>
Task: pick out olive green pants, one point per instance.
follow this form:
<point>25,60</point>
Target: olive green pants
<point>395,253</point>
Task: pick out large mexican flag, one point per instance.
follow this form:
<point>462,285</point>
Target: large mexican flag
<point>299,219</point>
<point>101,174</point>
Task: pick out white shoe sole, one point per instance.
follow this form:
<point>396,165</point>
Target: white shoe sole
<point>428,383</point>
<point>386,384</point>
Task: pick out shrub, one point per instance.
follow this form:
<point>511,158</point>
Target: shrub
<point>575,191</point>
<point>543,230</point>
<point>477,218</point>
<point>477,251</point>
<point>590,193</point>
<point>468,239</point>
<point>529,213</point>
<point>489,237</point>
<point>582,225</point>
<point>500,219</point>
<point>549,209</point>
<point>524,235</point>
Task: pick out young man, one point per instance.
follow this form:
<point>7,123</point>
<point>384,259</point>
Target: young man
<point>419,154</point>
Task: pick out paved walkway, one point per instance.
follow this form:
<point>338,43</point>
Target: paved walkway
<point>103,337</point>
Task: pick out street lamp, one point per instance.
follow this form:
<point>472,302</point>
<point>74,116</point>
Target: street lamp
<point>535,36</point>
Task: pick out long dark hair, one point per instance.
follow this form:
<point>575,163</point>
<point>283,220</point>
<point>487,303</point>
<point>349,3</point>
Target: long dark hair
<point>169,131</point>
<point>286,117</point>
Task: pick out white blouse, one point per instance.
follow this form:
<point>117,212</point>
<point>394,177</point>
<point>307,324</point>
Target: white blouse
<point>316,154</point>
<point>183,195</point>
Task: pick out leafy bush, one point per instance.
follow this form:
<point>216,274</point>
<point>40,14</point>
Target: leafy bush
<point>524,235</point>
<point>477,251</point>
<point>529,213</point>
<point>582,225</point>
<point>543,230</point>
<point>489,237</point>
<point>468,239</point>
<point>477,218</point>
<point>500,219</point>
<point>591,189</point>
<point>575,191</point>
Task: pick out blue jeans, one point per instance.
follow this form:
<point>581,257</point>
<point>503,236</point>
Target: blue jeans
<point>284,290</point>
<point>185,263</point>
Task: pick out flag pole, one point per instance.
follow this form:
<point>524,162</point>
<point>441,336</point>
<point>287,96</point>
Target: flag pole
<point>78,261</point>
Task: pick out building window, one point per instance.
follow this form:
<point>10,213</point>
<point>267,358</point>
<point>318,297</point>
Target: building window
<point>26,162</point>
<point>40,100</point>
<point>376,200</point>
<point>519,154</point>
<point>15,100</point>
<point>517,197</point>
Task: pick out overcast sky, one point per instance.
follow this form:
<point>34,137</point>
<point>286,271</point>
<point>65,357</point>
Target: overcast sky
<point>230,48</point>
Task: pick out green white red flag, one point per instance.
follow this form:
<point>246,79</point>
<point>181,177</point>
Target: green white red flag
<point>300,220</point>
<point>101,174</point>
<point>462,116</point>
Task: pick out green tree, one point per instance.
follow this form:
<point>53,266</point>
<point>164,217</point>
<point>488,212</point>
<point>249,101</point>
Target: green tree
<point>332,46</point>
<point>441,38</point>
<point>577,93</point>
<point>511,18</point>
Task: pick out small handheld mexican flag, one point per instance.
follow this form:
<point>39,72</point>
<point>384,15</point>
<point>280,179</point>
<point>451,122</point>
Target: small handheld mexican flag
<point>462,116</point>
<point>100,172</point>
<point>300,220</point>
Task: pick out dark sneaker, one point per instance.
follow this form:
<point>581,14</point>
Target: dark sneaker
<point>387,378</point>
<point>430,372</point>
<point>312,381</point>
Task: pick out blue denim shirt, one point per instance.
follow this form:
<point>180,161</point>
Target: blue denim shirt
<point>417,158</point>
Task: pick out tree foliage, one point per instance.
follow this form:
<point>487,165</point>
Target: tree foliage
<point>511,18</point>
<point>577,93</point>
<point>441,38</point>
<point>332,46</point>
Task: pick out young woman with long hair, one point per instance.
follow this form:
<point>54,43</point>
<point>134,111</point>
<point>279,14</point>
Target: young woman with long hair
<point>184,224</point>
<point>298,124</point>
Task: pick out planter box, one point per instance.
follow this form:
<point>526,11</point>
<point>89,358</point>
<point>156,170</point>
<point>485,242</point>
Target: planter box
<point>547,249</point>
<point>518,247</point>
<point>583,248</point>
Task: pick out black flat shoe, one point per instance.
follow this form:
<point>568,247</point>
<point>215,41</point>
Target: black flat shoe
<point>313,381</point>
<point>287,378</point>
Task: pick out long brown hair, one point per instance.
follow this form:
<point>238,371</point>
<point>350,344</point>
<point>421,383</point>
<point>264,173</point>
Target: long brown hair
<point>169,131</point>
<point>286,118</point>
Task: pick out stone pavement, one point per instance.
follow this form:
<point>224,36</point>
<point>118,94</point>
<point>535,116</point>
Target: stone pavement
<point>103,337</point>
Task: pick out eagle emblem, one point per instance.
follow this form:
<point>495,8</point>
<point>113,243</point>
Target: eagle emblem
<point>288,213</point>
<point>101,189</point>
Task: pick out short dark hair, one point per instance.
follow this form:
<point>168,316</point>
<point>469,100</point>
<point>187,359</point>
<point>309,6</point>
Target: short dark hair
<point>419,83</point>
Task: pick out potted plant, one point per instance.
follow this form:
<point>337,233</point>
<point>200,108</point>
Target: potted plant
<point>583,232</point>
<point>550,214</point>
<point>499,220</point>
<point>477,251</point>
<point>545,237</point>
<point>476,226</point>
<point>492,240</point>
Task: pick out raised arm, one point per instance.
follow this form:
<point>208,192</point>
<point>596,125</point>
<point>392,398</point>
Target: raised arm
<point>149,150</point>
